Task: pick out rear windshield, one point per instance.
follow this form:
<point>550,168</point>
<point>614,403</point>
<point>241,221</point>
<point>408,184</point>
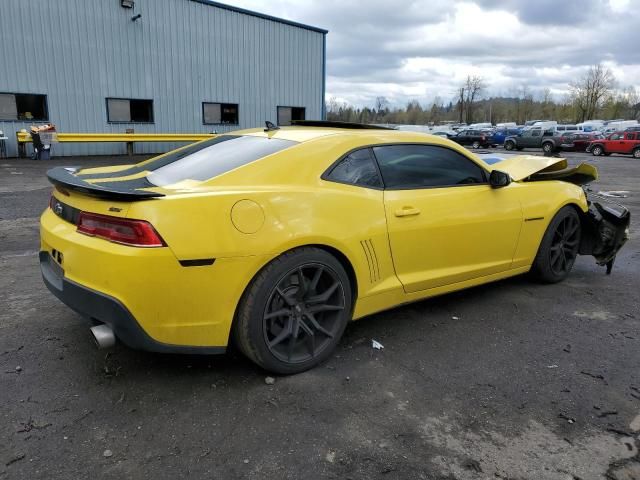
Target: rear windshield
<point>209,159</point>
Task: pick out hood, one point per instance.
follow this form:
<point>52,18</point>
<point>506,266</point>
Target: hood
<point>532,168</point>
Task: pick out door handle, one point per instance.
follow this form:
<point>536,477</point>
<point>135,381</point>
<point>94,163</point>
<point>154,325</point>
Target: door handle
<point>407,212</point>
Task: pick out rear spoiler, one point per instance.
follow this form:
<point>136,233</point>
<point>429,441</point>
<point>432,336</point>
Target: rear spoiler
<point>65,177</point>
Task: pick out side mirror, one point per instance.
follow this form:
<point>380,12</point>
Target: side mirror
<point>498,179</point>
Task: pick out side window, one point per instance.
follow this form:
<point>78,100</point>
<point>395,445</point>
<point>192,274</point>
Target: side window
<point>616,136</point>
<point>357,168</point>
<point>423,166</point>
<point>535,133</point>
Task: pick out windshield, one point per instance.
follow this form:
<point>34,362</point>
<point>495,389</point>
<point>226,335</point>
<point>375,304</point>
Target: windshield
<point>206,160</point>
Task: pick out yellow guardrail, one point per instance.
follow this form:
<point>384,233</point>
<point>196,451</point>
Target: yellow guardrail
<point>25,137</point>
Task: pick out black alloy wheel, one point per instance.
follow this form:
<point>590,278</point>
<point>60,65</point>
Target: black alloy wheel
<point>559,247</point>
<point>294,311</point>
<point>564,246</point>
<point>302,314</point>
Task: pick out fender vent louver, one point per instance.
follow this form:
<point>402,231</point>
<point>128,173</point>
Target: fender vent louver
<point>372,260</point>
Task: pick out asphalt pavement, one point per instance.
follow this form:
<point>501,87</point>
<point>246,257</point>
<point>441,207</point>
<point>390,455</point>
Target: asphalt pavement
<point>511,380</point>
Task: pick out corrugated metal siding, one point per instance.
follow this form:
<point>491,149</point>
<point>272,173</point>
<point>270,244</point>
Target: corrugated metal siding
<point>180,53</point>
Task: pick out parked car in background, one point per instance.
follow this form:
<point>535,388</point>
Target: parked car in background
<point>591,125</point>
<point>567,128</point>
<point>481,125</point>
<point>620,142</point>
<point>615,126</point>
<point>476,138</point>
<point>450,135</point>
<point>534,137</point>
<point>578,141</point>
<point>499,135</point>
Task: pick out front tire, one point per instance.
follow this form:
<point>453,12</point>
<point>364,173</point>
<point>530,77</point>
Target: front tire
<point>559,247</point>
<point>475,144</point>
<point>547,147</point>
<point>509,146</point>
<point>294,312</point>
<point>597,151</point>
<point>636,153</point>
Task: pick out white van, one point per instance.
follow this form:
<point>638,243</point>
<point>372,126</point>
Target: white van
<point>568,128</point>
<point>544,125</point>
<point>591,125</point>
<point>618,126</point>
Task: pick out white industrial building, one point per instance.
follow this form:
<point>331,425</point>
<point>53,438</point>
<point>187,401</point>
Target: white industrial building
<point>154,66</point>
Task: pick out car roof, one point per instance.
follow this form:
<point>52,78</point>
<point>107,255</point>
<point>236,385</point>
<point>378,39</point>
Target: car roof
<point>304,134</point>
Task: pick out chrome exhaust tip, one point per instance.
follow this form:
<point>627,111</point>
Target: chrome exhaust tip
<point>103,336</point>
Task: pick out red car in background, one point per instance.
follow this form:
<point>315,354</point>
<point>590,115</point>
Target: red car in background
<point>618,142</point>
<point>578,141</point>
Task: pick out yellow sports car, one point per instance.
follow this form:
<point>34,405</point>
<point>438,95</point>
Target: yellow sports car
<point>277,237</point>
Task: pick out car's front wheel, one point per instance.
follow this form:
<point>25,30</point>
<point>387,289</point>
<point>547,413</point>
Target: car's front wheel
<point>294,311</point>
<point>636,153</point>
<point>509,145</point>
<point>559,247</point>
<point>597,151</point>
<point>547,147</point>
<point>475,144</point>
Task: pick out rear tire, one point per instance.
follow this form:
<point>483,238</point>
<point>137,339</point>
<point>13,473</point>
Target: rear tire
<point>597,151</point>
<point>559,247</point>
<point>294,312</point>
<point>509,145</point>
<point>636,153</point>
<point>475,144</point>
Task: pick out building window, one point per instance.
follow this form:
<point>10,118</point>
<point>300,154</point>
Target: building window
<point>219,113</point>
<point>287,114</point>
<point>125,110</point>
<point>23,106</point>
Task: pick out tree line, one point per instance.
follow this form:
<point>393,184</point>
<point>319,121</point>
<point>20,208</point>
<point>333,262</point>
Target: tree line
<point>594,95</point>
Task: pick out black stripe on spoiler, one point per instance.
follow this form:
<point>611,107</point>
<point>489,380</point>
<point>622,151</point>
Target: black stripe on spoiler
<point>64,177</point>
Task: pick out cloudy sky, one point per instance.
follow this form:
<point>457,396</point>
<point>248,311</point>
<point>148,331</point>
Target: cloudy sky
<point>403,49</point>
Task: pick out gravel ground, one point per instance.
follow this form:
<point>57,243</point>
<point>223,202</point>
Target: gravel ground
<point>509,380</point>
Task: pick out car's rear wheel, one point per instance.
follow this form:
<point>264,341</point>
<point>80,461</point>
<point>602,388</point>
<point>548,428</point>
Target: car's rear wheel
<point>509,145</point>
<point>475,144</point>
<point>559,247</point>
<point>597,151</point>
<point>636,153</point>
<point>294,311</point>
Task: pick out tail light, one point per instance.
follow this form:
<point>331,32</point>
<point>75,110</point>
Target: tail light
<point>136,233</point>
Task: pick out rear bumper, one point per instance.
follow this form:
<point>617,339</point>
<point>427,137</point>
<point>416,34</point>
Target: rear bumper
<point>148,296</point>
<point>99,307</point>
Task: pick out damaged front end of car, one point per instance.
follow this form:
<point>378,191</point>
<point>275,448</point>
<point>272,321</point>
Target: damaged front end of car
<point>605,225</point>
<point>605,229</point>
